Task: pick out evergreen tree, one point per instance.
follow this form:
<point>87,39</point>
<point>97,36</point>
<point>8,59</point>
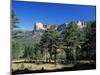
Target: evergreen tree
<point>71,41</point>
<point>89,46</point>
<point>49,41</point>
<point>14,19</point>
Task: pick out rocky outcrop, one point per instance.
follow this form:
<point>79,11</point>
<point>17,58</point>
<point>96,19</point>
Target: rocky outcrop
<point>39,26</point>
<point>62,27</point>
<point>43,26</point>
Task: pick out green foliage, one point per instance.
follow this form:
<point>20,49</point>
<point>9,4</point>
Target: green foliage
<point>17,49</point>
<point>17,33</point>
<point>71,40</point>
<point>51,45</point>
<point>49,41</point>
<point>89,46</point>
<point>14,19</point>
<point>28,52</point>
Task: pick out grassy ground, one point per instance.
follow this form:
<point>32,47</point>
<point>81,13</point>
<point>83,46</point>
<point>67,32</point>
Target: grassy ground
<point>33,66</point>
<point>20,66</point>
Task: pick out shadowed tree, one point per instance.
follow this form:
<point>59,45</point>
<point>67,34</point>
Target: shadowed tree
<point>71,41</point>
<point>28,52</point>
<point>89,46</point>
<point>14,19</point>
<point>49,41</point>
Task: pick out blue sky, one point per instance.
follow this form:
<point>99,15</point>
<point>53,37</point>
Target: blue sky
<point>31,12</point>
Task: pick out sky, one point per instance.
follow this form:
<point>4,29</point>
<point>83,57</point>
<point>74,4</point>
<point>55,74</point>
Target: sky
<point>31,12</point>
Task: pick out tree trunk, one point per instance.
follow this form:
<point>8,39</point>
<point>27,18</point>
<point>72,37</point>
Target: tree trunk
<point>66,56</point>
<point>55,56</point>
<point>74,55</point>
<point>50,56</point>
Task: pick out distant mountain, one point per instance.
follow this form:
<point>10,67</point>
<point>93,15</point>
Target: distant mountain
<point>45,26</point>
<point>35,35</point>
<point>62,27</point>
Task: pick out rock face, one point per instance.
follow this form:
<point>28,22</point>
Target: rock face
<point>81,24</point>
<point>39,26</point>
<point>62,27</point>
<point>43,26</point>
